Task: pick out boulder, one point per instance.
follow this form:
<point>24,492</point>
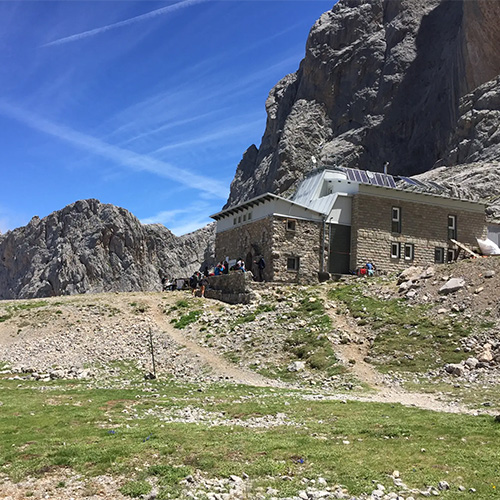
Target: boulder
<point>454,369</point>
<point>452,285</point>
<point>296,366</point>
<point>471,363</point>
<point>370,66</point>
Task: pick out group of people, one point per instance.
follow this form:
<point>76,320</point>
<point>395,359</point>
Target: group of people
<point>200,280</point>
<point>221,268</point>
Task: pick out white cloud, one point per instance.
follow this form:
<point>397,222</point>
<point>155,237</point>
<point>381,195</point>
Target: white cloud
<point>120,156</point>
<point>165,216</point>
<point>126,22</point>
<point>210,137</point>
<point>182,220</point>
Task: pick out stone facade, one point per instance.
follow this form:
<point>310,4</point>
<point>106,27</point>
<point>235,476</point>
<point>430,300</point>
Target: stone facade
<point>247,242</point>
<point>283,242</point>
<point>423,225</point>
<point>301,244</point>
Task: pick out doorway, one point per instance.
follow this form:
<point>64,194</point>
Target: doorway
<point>340,249</point>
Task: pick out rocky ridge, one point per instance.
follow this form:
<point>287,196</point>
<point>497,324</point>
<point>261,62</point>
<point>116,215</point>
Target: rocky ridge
<point>93,247</point>
<point>409,82</point>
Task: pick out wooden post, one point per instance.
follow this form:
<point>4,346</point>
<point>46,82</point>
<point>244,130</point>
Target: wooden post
<point>152,351</point>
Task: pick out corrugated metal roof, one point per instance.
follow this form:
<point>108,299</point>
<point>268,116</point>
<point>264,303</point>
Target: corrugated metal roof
<point>308,189</point>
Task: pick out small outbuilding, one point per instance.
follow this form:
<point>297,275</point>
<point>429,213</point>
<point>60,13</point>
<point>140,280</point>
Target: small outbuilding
<point>339,219</point>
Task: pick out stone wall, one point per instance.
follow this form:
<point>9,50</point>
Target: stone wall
<point>247,242</point>
<point>303,243</point>
<point>423,225</point>
<point>276,242</point>
<point>233,288</point>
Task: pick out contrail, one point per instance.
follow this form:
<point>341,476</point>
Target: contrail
<point>126,22</point>
<point>120,156</point>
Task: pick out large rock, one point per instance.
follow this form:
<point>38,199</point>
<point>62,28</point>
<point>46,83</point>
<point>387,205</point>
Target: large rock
<point>409,82</point>
<point>92,247</point>
<point>452,285</point>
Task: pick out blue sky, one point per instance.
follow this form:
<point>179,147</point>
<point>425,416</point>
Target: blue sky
<point>145,105</point>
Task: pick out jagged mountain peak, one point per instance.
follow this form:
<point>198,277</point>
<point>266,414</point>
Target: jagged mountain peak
<point>90,246</point>
<point>381,81</point>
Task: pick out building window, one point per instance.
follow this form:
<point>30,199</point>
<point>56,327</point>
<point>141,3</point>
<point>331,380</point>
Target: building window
<point>395,250</point>
<point>452,227</point>
<point>249,216</point>
<point>290,225</point>
<point>439,255</point>
<point>234,221</point>
<point>396,220</point>
<point>292,264</point>
<point>239,219</point>
<point>244,217</point>
<point>451,255</point>
<point>409,251</point>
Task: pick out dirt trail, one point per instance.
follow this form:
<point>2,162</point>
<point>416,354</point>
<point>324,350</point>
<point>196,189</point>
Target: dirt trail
<point>219,366</point>
<point>362,370</point>
<point>375,380</point>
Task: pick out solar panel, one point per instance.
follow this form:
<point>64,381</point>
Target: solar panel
<point>367,177</point>
<point>364,177</point>
<point>421,184</point>
<point>408,180</point>
<point>392,182</point>
<point>380,180</point>
<point>439,187</point>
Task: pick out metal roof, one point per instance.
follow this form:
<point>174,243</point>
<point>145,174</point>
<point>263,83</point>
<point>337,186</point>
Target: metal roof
<point>257,201</point>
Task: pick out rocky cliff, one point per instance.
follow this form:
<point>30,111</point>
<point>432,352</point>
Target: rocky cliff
<point>93,247</point>
<point>409,82</point>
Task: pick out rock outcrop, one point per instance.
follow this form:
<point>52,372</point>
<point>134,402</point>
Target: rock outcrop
<point>93,247</point>
<point>409,82</point>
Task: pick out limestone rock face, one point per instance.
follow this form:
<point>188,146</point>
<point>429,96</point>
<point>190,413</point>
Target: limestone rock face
<point>93,247</point>
<point>409,82</point>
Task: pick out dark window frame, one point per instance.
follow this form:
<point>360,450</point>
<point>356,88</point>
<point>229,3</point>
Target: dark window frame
<point>292,263</point>
<point>411,247</point>
<point>396,220</point>
<point>439,255</point>
<point>397,254</point>
<point>452,228</point>
<point>291,225</point>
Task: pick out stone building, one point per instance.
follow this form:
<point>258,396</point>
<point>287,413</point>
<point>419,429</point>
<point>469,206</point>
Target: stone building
<point>340,218</point>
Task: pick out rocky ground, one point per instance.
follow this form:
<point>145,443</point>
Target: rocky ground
<point>98,337</point>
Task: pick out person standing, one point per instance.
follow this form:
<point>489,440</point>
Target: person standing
<point>261,265</point>
<point>193,283</point>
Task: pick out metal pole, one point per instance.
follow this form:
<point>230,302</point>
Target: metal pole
<point>322,265</point>
<point>152,351</point>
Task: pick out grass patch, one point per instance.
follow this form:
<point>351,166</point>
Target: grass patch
<point>135,489</point>
<point>180,305</point>
<point>263,308</point>
<point>87,430</point>
<point>232,356</point>
<point>12,309</point>
<point>311,344</point>
<point>187,319</point>
<point>408,337</point>
<point>315,349</point>
<point>139,307</point>
<point>246,318</point>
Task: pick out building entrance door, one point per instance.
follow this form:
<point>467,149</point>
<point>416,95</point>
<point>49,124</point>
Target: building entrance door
<point>340,249</point>
<point>249,262</point>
